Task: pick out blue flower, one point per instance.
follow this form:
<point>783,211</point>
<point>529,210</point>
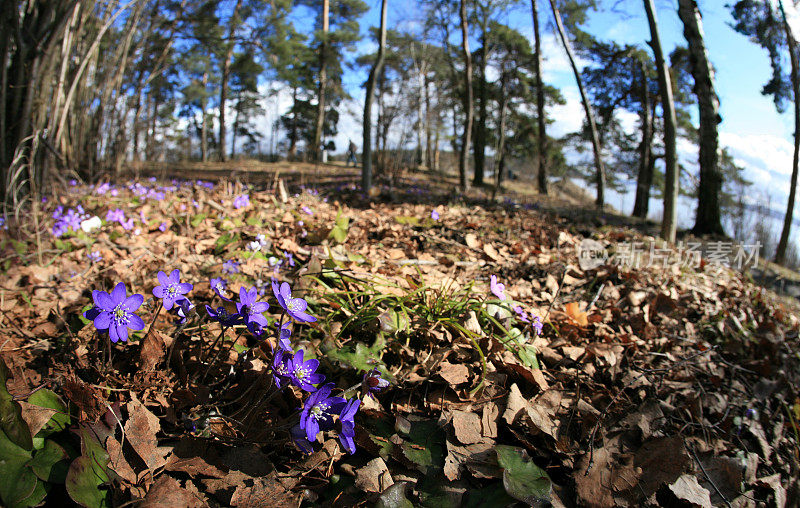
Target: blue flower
<point>251,310</point>
<point>230,266</point>
<point>347,419</point>
<point>171,288</point>
<point>115,312</point>
<point>220,287</point>
<point>497,288</point>
<point>300,440</point>
<point>373,382</point>
<point>295,307</point>
<point>303,373</point>
<point>222,316</point>
<point>318,411</point>
<point>281,366</point>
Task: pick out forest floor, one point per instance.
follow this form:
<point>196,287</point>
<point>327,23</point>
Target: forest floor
<point>653,380</point>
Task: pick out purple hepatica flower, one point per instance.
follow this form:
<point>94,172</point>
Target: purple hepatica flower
<point>523,316</point>
<point>300,440</point>
<point>171,288</point>
<point>303,373</point>
<point>250,310</point>
<point>347,419</point>
<point>318,411</point>
<point>241,201</point>
<point>284,335</point>
<point>373,382</point>
<point>295,307</point>
<point>289,258</point>
<point>115,312</point>
<point>307,210</point>
<point>281,368</point>
<point>220,287</point>
<point>537,325</point>
<point>94,257</point>
<point>435,215</point>
<point>183,307</point>
<point>222,316</point>
<point>230,266</point>
<point>497,288</point>
<point>116,215</point>
<point>128,224</point>
<point>162,227</point>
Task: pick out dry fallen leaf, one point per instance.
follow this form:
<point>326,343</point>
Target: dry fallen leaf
<point>574,311</point>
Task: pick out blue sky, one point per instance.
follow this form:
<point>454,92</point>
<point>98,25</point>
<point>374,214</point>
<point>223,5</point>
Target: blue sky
<point>756,134</point>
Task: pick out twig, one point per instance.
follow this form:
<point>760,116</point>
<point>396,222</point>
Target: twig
<point>703,469</point>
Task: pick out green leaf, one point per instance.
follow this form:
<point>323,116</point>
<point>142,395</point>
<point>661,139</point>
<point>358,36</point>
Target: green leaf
<point>83,486</point>
<point>522,479</point>
<point>425,445</point>
<point>19,247</point>
<point>254,221</point>
<point>11,421</point>
<point>362,357</point>
<point>393,321</point>
<point>47,398</point>
<point>17,481</point>
<point>491,496</point>
<point>198,219</point>
<point>50,463</point>
<point>88,472</point>
<point>405,219</point>
<point>225,240</point>
<point>339,231</point>
<point>394,497</point>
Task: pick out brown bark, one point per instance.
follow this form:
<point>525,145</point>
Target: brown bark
<point>366,135</point>
<point>600,179</point>
<point>707,220</point>
<point>780,252</point>
<point>226,74</point>
<point>323,77</point>
<point>671,175</point>
<point>541,139</point>
<point>463,160</point>
<point>641,204</point>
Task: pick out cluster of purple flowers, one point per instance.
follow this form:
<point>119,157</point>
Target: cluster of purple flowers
<point>69,219</point>
<point>241,201</point>
<point>118,215</point>
<point>115,312</point>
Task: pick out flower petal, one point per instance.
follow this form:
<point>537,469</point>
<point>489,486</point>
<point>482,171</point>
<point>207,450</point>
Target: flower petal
<point>102,300</point>
<point>175,276</point>
<point>312,429</point>
<point>259,307</point>
<point>286,291</point>
<point>136,323</point>
<point>102,321</point>
<point>133,302</point>
<point>118,294</point>
<point>184,287</point>
<point>162,278</point>
<point>158,291</point>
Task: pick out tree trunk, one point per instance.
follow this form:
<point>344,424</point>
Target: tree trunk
<point>292,154</point>
<point>541,159</point>
<point>226,74</point>
<point>204,123</point>
<point>708,210</point>
<point>780,252</point>
<point>366,135</point>
<point>669,223</point>
<point>641,203</point>
<point>463,160</point>
<point>600,180</point>
<point>428,149</point>
<point>500,155</point>
<point>323,77</point>
<point>480,128</point>
<point>235,128</point>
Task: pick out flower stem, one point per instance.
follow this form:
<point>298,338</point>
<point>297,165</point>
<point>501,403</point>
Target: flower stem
<point>213,345</point>
<point>208,369</point>
<point>152,321</point>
